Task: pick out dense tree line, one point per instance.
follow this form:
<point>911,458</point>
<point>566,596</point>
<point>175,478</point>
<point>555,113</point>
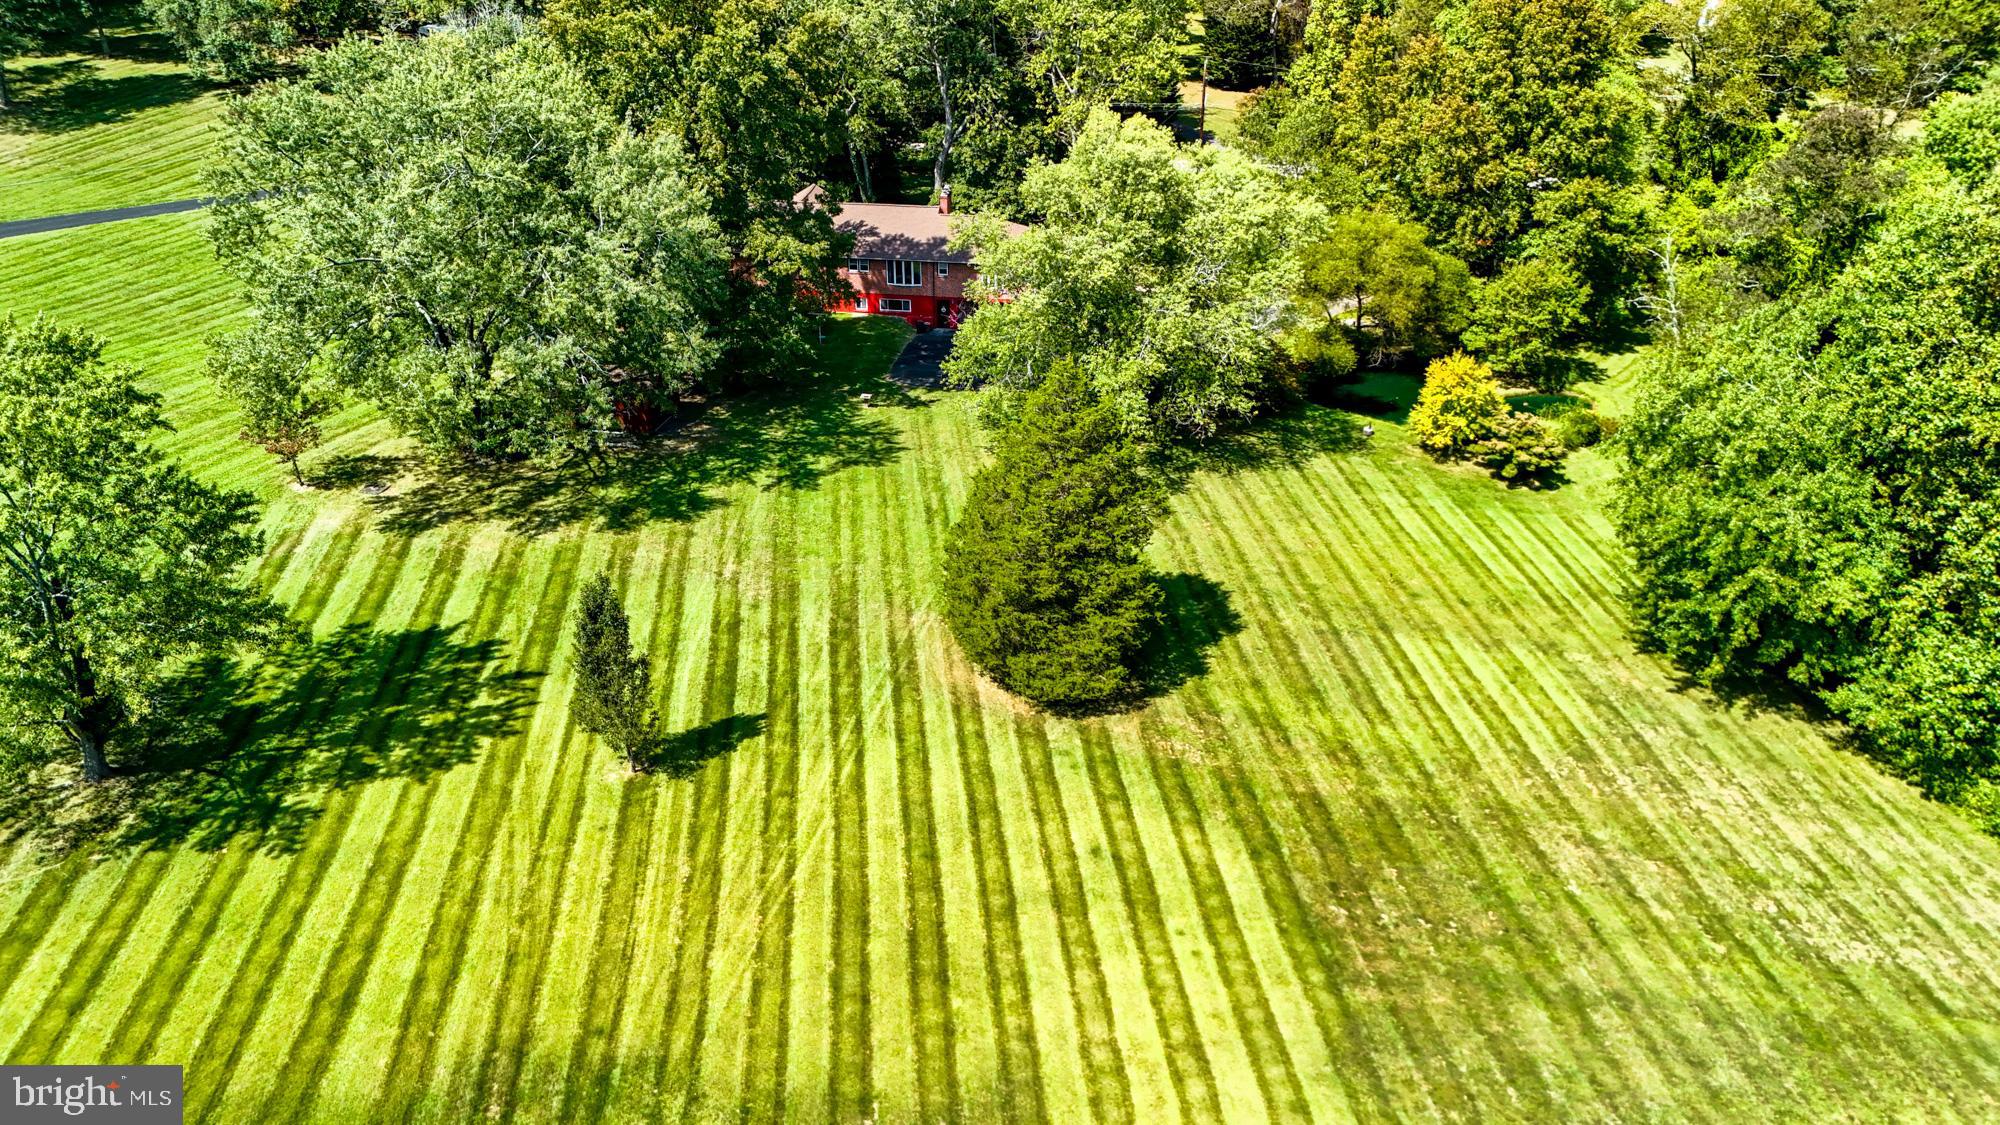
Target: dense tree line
<point>1811,489</point>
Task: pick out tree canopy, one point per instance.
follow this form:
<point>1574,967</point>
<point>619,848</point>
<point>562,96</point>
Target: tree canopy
<point>1460,114</point>
<point>454,229</point>
<point>1167,273</point>
<point>238,40</point>
<point>1810,495</point>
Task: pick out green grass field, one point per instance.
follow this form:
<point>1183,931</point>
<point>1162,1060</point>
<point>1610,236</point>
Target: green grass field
<point>91,133</point>
<point>1418,834</point>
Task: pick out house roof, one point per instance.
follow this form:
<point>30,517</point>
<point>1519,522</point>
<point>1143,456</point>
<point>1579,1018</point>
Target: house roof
<point>914,232</point>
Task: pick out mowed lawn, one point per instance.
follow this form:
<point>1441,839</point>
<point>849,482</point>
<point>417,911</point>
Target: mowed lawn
<point>88,133</point>
<point>1417,834</point>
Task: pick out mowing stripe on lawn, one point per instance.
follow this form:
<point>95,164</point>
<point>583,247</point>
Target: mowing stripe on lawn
<point>1020,1080</point>
<point>635,1074</point>
<point>1187,1058</point>
<point>334,1001</point>
<point>536,854</point>
<point>851,1092</point>
<point>689,1010</point>
<point>337,986</point>
<point>1096,1032</point>
<point>225,1037</point>
<point>303,708</point>
<point>1017,1085</point>
<point>1633,890</point>
<point>423,996</point>
<point>763,1075</point>
<point>79,976</point>
<point>929,976</point>
<point>1384,720</point>
<point>439,964</point>
<point>1404,669</point>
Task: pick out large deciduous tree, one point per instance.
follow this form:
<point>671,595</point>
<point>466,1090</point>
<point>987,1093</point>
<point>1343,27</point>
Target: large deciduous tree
<point>1044,584</point>
<point>1380,272</point>
<point>1083,54</point>
<point>1167,273</point>
<point>1803,213</point>
<point>1525,320</point>
<point>1732,69</point>
<point>456,230</point>
<point>116,566</point>
<point>755,91</point>
<point>1461,115</point>
<point>1902,54</point>
<point>236,40</point>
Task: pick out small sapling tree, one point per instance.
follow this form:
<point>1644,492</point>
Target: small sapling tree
<point>613,683</point>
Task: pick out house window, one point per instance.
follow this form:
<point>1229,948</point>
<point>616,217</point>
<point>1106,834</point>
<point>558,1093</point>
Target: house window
<point>857,265</point>
<point>861,302</point>
<point>895,304</point>
<point>944,269</point>
<point>906,273</point>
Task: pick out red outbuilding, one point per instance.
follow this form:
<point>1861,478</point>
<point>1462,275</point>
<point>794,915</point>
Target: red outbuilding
<point>903,264</point>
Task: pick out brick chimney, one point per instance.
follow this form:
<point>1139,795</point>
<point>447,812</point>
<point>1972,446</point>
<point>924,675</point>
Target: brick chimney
<point>944,200</point>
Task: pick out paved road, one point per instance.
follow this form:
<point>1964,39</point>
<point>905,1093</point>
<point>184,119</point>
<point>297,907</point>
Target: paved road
<point>92,218</point>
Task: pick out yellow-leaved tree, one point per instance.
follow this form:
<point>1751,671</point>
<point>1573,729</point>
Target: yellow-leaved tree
<point>1459,405</point>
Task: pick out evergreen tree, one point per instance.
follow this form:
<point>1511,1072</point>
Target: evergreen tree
<point>1044,585</point>
<point>613,684</point>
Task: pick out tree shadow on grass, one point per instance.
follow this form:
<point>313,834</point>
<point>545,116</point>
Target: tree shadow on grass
<point>348,471</point>
<point>792,438</point>
<point>254,753</point>
<point>1282,440</point>
<point>68,94</point>
<point>686,752</point>
<point>1196,616</point>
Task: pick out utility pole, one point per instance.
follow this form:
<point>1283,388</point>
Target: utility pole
<point>1201,130</point>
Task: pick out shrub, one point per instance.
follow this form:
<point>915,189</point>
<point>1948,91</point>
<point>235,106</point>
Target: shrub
<point>1577,427</point>
<point>1522,447</point>
<point>1459,405</point>
<point>1044,586</point>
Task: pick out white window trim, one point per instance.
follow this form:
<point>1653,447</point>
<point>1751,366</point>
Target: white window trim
<point>888,303</point>
<point>916,273</point>
<point>944,269</point>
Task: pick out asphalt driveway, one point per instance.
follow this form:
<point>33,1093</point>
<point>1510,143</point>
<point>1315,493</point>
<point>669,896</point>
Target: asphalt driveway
<point>91,218</point>
<point>917,364</point>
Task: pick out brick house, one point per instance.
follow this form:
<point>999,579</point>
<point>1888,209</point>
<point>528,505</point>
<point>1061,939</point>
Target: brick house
<point>902,264</point>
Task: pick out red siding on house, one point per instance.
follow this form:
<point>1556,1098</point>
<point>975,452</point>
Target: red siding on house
<point>934,301</point>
